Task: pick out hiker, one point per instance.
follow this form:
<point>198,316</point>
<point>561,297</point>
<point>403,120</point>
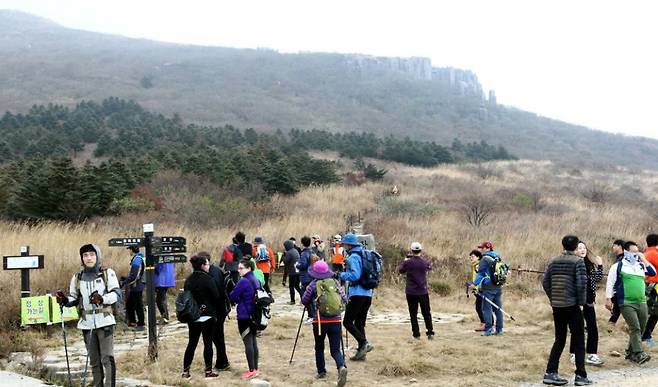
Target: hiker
<point>230,258</point>
<point>290,261</point>
<point>488,289</point>
<point>416,268</point>
<point>205,293</point>
<point>305,261</point>
<point>330,300</point>
<point>294,241</point>
<point>243,295</point>
<point>223,307</point>
<point>94,290</point>
<point>594,270</point>
<point>265,261</point>
<point>318,246</point>
<point>337,255</point>
<point>165,278</point>
<point>359,298</point>
<point>475,256</point>
<point>651,254</point>
<point>565,284</point>
<point>245,247</point>
<point>626,285</point>
<point>135,304</point>
<point>615,313</point>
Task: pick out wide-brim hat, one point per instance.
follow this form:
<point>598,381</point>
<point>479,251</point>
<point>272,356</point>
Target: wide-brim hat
<point>320,270</point>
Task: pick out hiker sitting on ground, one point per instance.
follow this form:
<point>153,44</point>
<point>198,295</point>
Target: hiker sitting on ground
<point>94,290</point>
<point>243,295</point>
<point>416,268</point>
<point>626,284</point>
<point>330,302</point>
<point>475,257</point>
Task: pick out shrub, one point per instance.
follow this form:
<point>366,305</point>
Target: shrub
<point>441,288</point>
<point>131,204</point>
<point>394,206</point>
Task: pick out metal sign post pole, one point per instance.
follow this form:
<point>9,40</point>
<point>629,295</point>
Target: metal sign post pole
<point>25,274</point>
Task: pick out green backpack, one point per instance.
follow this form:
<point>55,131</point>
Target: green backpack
<point>329,302</point>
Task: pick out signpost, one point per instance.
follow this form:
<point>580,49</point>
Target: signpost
<point>25,262</point>
<point>164,249</point>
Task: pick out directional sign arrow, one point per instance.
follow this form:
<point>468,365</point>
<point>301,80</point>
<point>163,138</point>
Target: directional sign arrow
<point>170,258</point>
<point>169,241</point>
<point>157,250</point>
<point>115,242</point>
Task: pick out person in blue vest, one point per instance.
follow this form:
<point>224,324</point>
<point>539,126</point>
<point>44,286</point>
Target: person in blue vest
<point>135,304</point>
<point>489,290</point>
<point>359,298</point>
<point>165,278</point>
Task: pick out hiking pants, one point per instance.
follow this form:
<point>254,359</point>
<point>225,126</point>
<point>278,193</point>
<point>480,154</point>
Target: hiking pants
<point>196,329</point>
<point>589,314</point>
<point>101,356</point>
<point>356,313</point>
<point>334,331</point>
<point>478,308</point>
<point>651,324</point>
<point>161,301</point>
<point>570,317</point>
<point>220,344</point>
<point>248,334</point>
<point>135,306</point>
<point>293,285</point>
<point>636,319</point>
<point>424,301</point>
<point>266,287</point>
<point>495,296</point>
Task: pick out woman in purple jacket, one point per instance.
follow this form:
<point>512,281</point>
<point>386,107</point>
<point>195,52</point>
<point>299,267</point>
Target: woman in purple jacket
<point>243,295</point>
<point>416,268</point>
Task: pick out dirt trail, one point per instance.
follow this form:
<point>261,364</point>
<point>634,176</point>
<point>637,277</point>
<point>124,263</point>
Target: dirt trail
<point>635,376</point>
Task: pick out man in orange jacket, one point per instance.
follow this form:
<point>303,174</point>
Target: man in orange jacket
<point>265,261</point>
<point>651,254</point>
<point>337,255</point>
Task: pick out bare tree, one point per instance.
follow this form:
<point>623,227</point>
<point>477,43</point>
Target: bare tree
<point>477,209</point>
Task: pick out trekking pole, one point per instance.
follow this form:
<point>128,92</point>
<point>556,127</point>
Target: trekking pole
<point>93,317</point>
<point>66,349</point>
<point>297,337</point>
<point>494,305</point>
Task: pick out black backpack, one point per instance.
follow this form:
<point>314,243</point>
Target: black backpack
<point>371,269</point>
<point>187,309</point>
<point>261,315</point>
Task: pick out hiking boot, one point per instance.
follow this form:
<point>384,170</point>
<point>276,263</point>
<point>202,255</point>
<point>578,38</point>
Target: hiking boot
<point>639,358</point>
<point>554,379</point>
<point>308,321</point>
<point>572,358</point>
<point>292,303</point>
<point>499,333</point>
<point>321,375</point>
<point>369,347</point>
<point>250,374</point>
<point>430,336</point>
<point>222,368</point>
<point>132,325</point>
<point>342,377</point>
<point>417,337</point>
<point>140,328</point>
<point>593,359</point>
<point>480,328</point>
<point>360,353</point>
<point>649,342</point>
<point>582,381</point>
<point>211,374</point>
<point>186,374</point>
<point>490,332</point>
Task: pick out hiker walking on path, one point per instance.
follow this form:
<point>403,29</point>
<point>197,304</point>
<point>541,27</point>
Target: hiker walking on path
<point>265,261</point>
<point>165,278</point>
<point>243,295</point>
<point>230,258</point>
<point>205,293</point>
<point>565,284</point>
<point>626,285</point>
<point>483,282</point>
<point>93,291</point>
<point>416,268</point>
<point>223,307</point>
<point>360,298</point>
<point>135,304</point>
<point>290,262</point>
<point>304,263</point>
<point>594,269</point>
<point>651,254</point>
<point>475,256</point>
<point>330,300</point>
<point>337,255</point>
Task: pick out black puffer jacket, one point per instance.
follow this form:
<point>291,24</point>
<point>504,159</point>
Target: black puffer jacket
<point>204,291</point>
<point>565,280</point>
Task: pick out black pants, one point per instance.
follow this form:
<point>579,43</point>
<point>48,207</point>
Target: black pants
<point>135,306</point>
<point>570,317</point>
<point>651,324</point>
<point>248,334</point>
<point>220,344</point>
<point>478,308</point>
<point>615,313</point>
<point>293,285</point>
<point>356,313</point>
<point>266,287</point>
<point>196,329</point>
<point>424,302</point>
<point>589,314</point>
<point>161,301</point>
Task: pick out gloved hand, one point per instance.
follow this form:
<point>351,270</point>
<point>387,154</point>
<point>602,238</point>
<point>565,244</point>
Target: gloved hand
<point>60,297</point>
<point>96,298</point>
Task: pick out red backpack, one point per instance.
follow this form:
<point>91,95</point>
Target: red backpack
<point>228,254</point>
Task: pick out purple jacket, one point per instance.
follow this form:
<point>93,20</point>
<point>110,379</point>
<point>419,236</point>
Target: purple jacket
<point>416,268</point>
<point>243,295</point>
<point>165,276</point>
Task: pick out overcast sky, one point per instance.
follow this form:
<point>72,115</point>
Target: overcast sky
<point>586,62</point>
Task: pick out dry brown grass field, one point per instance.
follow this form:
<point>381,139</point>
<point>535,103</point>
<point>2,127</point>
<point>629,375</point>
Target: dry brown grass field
<point>530,206</point>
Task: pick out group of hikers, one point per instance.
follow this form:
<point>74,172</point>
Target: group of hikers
<point>336,290</point>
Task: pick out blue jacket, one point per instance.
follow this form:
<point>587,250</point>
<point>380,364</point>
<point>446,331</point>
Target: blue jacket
<point>353,273</point>
<point>165,276</point>
<point>243,295</point>
<point>136,273</point>
<point>483,277</point>
<point>303,264</point>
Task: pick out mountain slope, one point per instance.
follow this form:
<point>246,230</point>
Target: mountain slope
<point>45,63</point>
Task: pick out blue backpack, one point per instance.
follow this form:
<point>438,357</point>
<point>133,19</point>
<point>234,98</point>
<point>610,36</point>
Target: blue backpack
<point>371,269</point>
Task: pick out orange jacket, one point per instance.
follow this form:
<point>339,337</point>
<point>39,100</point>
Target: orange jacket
<point>338,256</point>
<point>651,254</point>
<point>264,266</point>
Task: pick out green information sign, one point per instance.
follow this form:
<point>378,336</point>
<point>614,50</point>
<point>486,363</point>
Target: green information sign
<point>37,310</point>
